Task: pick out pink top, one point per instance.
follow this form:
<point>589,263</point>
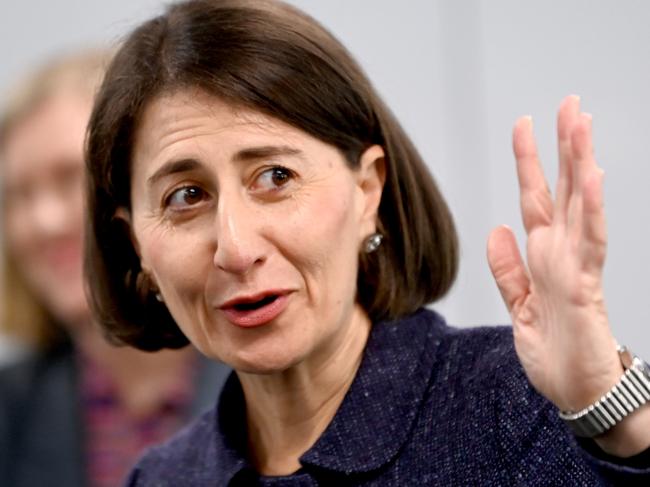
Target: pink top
<point>114,440</point>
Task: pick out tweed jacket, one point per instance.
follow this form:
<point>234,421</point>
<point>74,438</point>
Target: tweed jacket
<point>430,405</point>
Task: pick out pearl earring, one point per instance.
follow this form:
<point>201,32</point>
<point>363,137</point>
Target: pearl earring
<point>373,242</point>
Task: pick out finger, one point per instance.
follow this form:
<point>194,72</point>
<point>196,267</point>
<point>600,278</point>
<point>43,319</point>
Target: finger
<point>582,163</point>
<point>593,228</point>
<point>535,197</point>
<point>594,243</point>
<point>582,151</point>
<point>567,117</point>
<point>507,266</point>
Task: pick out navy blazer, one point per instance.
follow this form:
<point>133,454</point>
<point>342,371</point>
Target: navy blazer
<point>430,405</point>
<point>41,430</point>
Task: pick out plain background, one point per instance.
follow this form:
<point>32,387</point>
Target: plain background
<point>457,74</point>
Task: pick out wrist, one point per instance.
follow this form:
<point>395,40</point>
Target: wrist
<point>612,412</point>
<point>629,437</point>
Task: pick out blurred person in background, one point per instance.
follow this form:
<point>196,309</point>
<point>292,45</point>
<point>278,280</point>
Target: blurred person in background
<point>76,410</point>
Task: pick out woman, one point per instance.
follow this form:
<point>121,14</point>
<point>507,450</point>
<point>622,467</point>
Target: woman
<point>77,412</point>
<point>251,194</point>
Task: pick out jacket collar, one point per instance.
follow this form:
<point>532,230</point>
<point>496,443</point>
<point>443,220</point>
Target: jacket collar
<point>377,414</point>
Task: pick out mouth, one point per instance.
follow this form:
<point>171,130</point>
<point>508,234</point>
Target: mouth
<point>256,310</point>
<point>62,257</point>
<point>253,305</point>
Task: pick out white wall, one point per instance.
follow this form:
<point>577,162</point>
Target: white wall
<point>458,73</point>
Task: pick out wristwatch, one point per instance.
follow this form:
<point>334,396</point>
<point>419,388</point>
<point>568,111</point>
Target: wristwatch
<point>630,393</point>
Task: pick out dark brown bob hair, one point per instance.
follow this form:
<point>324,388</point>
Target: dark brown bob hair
<point>266,56</point>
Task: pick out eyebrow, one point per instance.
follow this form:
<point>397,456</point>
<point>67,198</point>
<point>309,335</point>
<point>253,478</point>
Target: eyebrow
<point>264,152</point>
<point>173,167</point>
<point>248,154</point>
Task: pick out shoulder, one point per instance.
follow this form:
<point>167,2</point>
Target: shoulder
<point>16,382</point>
<point>452,354</point>
<point>458,368</point>
<point>487,350</point>
<point>39,422</point>
<point>482,366</point>
<point>482,361</point>
<point>479,394</point>
<point>19,379</point>
<point>15,376</point>
<point>38,383</point>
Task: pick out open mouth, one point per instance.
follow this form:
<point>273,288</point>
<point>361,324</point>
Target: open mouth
<point>257,310</point>
<point>251,306</point>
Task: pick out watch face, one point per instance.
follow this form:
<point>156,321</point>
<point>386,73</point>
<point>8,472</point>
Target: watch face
<point>643,367</point>
<point>626,356</point>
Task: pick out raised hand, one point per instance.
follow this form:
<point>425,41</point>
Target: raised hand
<point>560,323</point>
<point>561,329</point>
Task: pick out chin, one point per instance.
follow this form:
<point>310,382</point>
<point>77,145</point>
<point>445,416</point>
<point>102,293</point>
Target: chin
<point>263,362</point>
<point>262,367</point>
<point>70,312</point>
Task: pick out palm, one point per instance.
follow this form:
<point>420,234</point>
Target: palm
<point>560,323</point>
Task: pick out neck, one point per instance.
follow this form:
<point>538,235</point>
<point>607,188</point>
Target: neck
<point>288,411</point>
<point>141,379</point>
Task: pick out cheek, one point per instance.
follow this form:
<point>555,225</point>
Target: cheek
<point>324,238</point>
<point>17,236</point>
<point>173,258</point>
<point>179,265</point>
<point>336,220</point>
<point>25,248</point>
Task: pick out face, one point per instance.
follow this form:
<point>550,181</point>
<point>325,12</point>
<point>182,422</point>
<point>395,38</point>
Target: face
<point>42,174</point>
<point>251,230</point>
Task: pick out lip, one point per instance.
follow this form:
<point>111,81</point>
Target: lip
<point>255,317</point>
<point>63,258</point>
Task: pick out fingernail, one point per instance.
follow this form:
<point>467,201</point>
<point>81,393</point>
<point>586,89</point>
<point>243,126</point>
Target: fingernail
<point>529,119</point>
<point>575,97</point>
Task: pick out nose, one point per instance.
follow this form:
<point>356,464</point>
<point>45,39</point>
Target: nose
<point>53,214</point>
<point>240,245</point>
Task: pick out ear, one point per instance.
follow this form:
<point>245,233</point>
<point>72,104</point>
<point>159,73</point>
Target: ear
<point>145,279</point>
<point>122,213</point>
<point>371,177</point>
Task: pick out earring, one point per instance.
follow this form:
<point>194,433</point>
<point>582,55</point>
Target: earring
<point>373,242</point>
<point>145,287</point>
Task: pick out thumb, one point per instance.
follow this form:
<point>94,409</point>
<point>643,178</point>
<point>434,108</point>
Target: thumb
<point>507,266</point>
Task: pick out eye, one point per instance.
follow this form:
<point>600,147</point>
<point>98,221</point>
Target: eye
<point>185,197</point>
<point>69,177</point>
<point>18,195</point>
<point>273,179</point>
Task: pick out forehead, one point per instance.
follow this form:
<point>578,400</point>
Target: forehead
<point>192,108</point>
<point>179,121</point>
<point>51,132</point>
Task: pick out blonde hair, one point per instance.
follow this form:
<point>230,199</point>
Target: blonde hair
<point>22,315</point>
